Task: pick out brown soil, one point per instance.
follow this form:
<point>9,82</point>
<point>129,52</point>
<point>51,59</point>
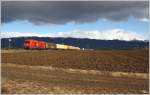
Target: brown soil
<point>103,60</point>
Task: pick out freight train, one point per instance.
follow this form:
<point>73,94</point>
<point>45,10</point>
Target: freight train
<point>35,44</point>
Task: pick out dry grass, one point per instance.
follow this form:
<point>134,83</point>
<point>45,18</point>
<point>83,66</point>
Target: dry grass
<point>34,87</point>
<point>28,87</point>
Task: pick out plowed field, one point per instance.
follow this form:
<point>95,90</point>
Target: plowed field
<point>102,60</point>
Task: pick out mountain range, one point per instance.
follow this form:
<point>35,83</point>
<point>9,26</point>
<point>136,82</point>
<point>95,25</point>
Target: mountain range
<point>17,42</point>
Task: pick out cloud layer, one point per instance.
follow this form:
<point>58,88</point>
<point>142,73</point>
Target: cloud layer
<point>105,35</point>
<point>60,12</point>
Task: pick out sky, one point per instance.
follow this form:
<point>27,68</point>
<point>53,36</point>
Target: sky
<point>123,20</point>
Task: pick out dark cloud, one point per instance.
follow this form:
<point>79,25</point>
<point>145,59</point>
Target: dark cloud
<point>60,12</point>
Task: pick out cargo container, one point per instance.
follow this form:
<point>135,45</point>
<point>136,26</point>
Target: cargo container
<point>60,46</point>
<point>72,47</point>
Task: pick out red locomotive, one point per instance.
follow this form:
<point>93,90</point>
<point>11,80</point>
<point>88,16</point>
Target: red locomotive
<point>34,44</point>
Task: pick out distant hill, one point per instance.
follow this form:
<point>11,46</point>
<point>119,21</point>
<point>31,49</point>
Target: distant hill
<point>17,42</point>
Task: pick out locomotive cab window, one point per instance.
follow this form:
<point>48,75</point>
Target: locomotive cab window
<point>27,42</point>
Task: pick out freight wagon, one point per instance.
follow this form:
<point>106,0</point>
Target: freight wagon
<point>50,45</point>
<point>34,44</point>
<point>72,47</point>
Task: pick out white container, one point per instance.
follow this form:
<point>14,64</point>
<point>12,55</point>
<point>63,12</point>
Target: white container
<point>60,46</point>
